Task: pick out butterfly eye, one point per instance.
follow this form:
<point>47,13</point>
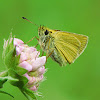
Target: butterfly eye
<point>46,32</point>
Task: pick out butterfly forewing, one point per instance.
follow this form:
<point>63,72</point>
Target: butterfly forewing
<point>69,45</point>
<point>83,39</point>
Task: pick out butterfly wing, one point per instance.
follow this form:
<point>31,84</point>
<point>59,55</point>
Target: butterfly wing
<point>83,39</point>
<point>69,45</point>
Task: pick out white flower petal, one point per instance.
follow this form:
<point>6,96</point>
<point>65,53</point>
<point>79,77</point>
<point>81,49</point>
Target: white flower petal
<point>24,56</point>
<point>27,76</point>
<point>26,65</point>
<point>17,42</point>
<point>41,70</point>
<point>38,63</point>
<point>34,54</point>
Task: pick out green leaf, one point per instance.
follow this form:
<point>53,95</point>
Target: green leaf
<point>22,80</point>
<point>8,45</point>
<point>17,59</point>
<point>29,92</point>
<point>6,93</point>
<point>12,79</point>
<point>20,70</point>
<point>2,81</point>
<point>4,73</point>
<point>10,59</point>
<point>9,54</point>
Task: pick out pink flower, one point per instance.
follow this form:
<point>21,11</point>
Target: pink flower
<point>30,60</point>
<point>18,42</point>
<point>33,88</point>
<point>26,65</point>
<point>38,62</point>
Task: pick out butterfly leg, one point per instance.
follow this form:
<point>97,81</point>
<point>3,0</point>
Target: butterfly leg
<point>45,44</point>
<point>42,53</point>
<point>48,47</point>
<point>36,45</point>
<point>32,39</point>
<point>49,54</point>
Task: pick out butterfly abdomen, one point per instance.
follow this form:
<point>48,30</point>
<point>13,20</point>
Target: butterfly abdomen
<point>56,56</point>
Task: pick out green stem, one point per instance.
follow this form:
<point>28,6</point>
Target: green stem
<point>25,95</point>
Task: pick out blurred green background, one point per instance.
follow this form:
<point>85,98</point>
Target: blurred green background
<point>78,81</point>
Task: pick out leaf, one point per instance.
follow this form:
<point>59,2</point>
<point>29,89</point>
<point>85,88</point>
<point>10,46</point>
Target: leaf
<point>4,73</point>
<point>22,80</point>
<point>20,70</point>
<point>9,54</point>
<point>8,45</point>
<point>2,81</point>
<point>2,78</point>
<point>12,79</point>
<point>17,59</point>
<point>10,59</point>
<point>6,93</point>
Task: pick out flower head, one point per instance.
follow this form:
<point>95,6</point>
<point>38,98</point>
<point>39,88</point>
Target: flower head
<point>25,69</point>
<point>30,60</point>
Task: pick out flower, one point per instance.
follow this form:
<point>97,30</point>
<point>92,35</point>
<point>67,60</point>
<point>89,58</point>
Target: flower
<point>30,60</point>
<point>25,69</point>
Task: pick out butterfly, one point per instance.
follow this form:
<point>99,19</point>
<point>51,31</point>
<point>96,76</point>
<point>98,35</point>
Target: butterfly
<point>63,47</point>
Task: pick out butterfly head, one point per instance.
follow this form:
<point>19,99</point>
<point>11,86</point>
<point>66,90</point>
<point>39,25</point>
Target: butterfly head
<point>44,36</point>
<point>43,31</point>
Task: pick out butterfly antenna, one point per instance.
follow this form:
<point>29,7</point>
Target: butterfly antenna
<point>30,21</point>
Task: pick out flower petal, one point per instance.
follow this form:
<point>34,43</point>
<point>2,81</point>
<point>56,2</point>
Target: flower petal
<point>38,79</point>
<point>34,55</point>
<point>32,80</point>
<point>38,62</point>
<point>41,70</point>
<point>18,51</point>
<point>24,56</point>
<point>27,76</point>
<point>33,88</point>
<point>30,49</point>
<point>26,65</point>
<point>17,42</point>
